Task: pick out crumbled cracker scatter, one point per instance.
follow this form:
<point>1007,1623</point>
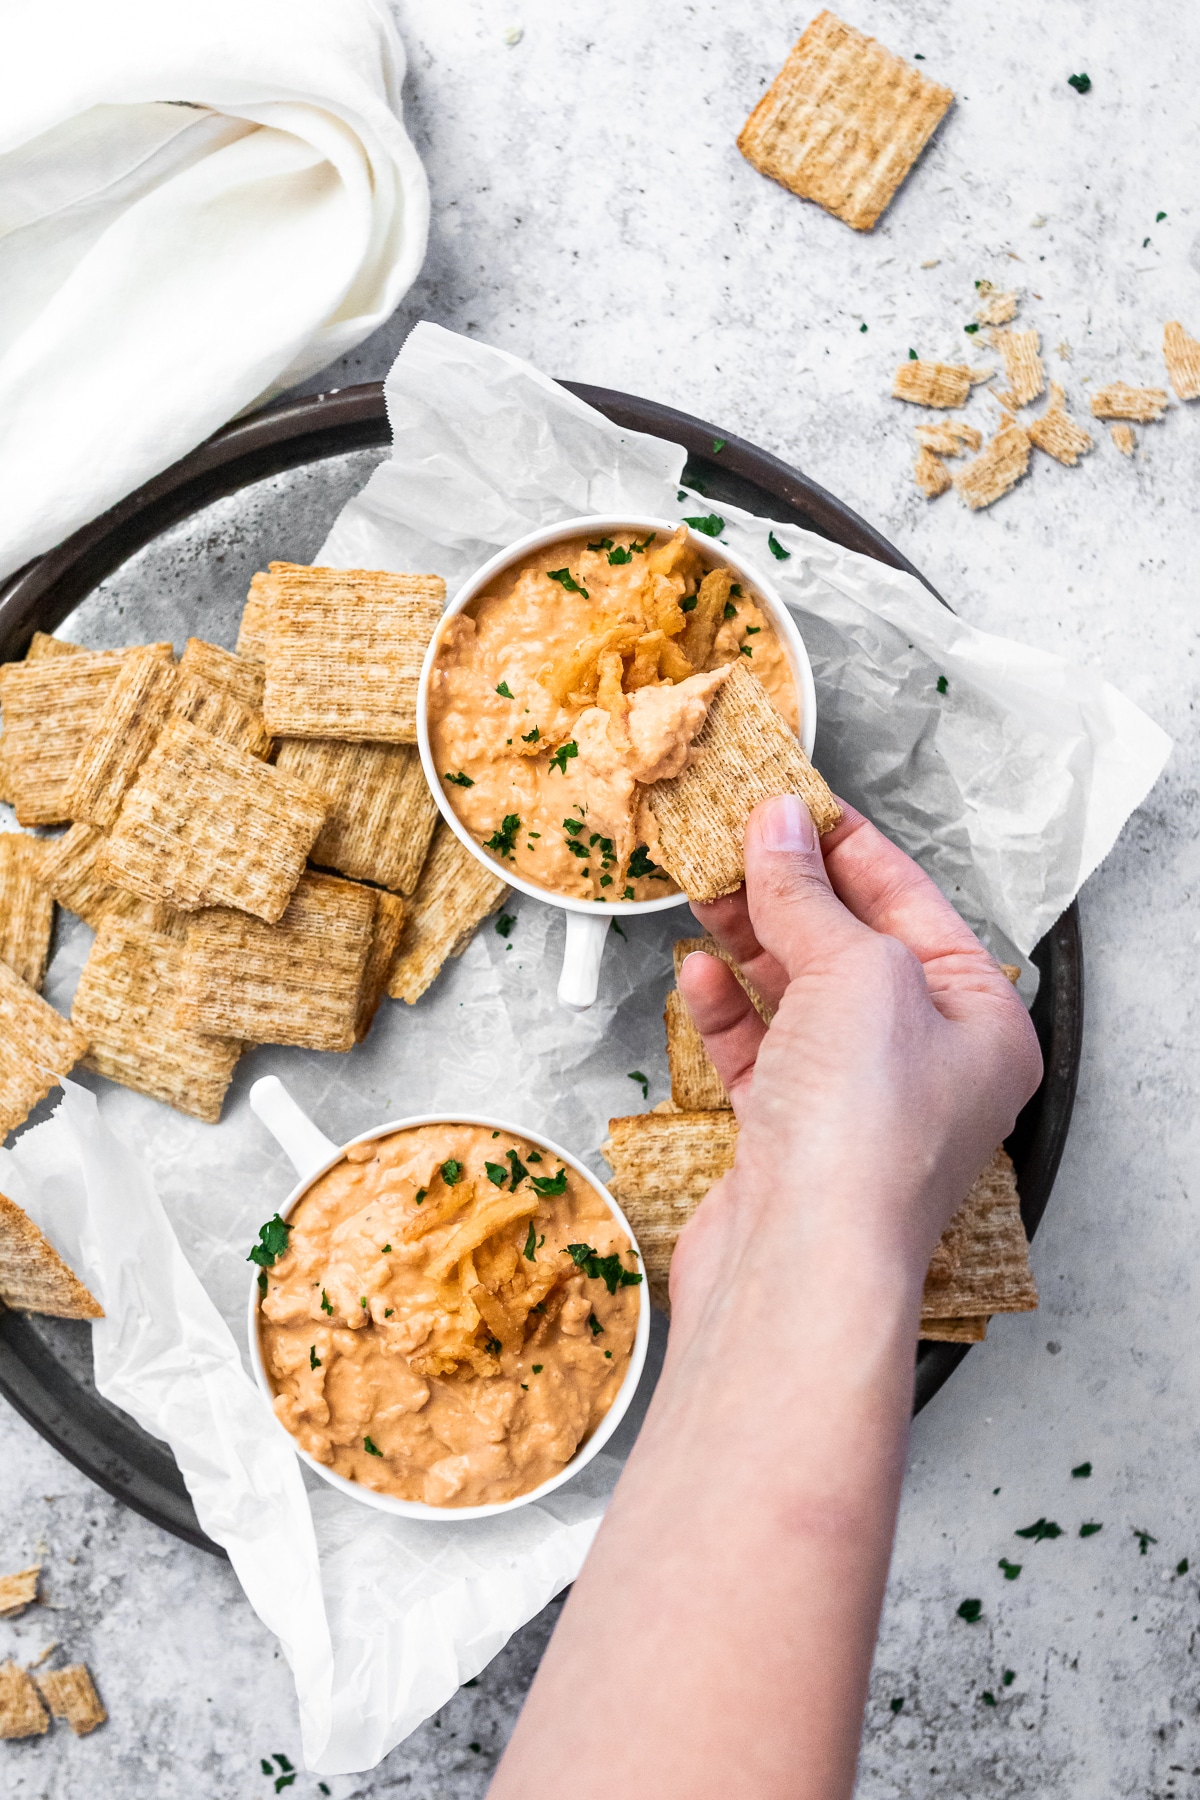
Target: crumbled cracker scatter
<point>932,383</point>
<point>843,122</point>
<point>33,1276</point>
<point>998,468</point>
<point>996,309</point>
<point>930,474</point>
<point>1019,351</point>
<point>1056,432</point>
<point>1124,437</point>
<point>949,437</point>
<point>71,1695</point>
<point>454,894</point>
<point>20,1590</point>
<point>21,1711</point>
<point>37,1046</point>
<point>1120,401</point>
<point>26,906</point>
<point>1182,356</point>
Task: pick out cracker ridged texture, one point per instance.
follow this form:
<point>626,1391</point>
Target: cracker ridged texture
<point>1056,432</point>
<point>257,613</point>
<point>1181,354</point>
<point>930,474</point>
<point>1001,465</point>
<point>238,676</point>
<point>33,1276</point>
<point>296,982</point>
<point>663,1165</point>
<point>37,1047</point>
<point>983,1261</point>
<point>19,1590</point>
<point>206,824</point>
<point>742,754</point>
<point>1124,438</point>
<point>381,812</point>
<point>344,652</point>
<point>683,948</point>
<point>843,122</point>
<point>949,437</point>
<point>391,915</point>
<point>1020,353</point>
<point>21,1711</point>
<point>68,872</point>
<point>453,896</point>
<point>931,383</point>
<point>954,1331</point>
<point>26,907</point>
<point>695,1084</point>
<point>221,714</point>
<point>997,309</point>
<point>125,1005</point>
<point>71,1695</point>
<point>42,644</point>
<point>1120,401</point>
<point>119,742</point>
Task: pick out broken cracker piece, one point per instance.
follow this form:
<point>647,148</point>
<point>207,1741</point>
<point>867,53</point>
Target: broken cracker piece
<point>931,383</point>
<point>295,982</point>
<point>26,907</point>
<point>1001,465</point>
<point>20,1590</point>
<point>695,1084</point>
<point>381,812</point>
<point>930,474</point>
<point>1056,432</point>
<point>119,742</point>
<point>21,1711</point>
<point>391,915</point>
<point>1124,438</point>
<point>843,122</point>
<point>982,1263</point>
<point>71,1695</point>
<point>125,1005</point>
<point>344,651</point>
<point>454,895</point>
<point>1182,356</point>
<point>949,437</point>
<point>33,1276</point>
<point>37,1047</point>
<point>742,754</point>
<point>663,1165</point>
<point>207,824</point>
<point>1019,351</point>
<point>1120,401</point>
<point>996,309</point>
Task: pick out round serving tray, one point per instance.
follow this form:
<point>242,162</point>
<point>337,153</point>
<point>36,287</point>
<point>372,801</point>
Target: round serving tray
<point>45,1374</point>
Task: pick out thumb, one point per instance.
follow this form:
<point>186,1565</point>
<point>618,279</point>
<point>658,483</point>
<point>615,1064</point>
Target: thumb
<point>793,909</point>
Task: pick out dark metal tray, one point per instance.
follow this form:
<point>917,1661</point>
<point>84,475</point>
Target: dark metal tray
<point>45,1365</point>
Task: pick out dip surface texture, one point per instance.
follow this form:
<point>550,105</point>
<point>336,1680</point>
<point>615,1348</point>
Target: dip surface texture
<point>429,1334</point>
<point>571,683</point>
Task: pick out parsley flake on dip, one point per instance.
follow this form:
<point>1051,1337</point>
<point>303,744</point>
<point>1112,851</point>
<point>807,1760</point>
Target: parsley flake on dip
<point>448,1316</point>
<point>573,682</point>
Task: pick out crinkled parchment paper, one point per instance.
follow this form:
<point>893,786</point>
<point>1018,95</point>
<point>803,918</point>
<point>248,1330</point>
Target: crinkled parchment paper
<point>1009,788</point>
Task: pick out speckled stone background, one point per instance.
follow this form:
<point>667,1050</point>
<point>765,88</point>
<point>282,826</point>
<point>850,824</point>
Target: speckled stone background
<point>592,212</point>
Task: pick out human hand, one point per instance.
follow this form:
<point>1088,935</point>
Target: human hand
<point>898,1057</point>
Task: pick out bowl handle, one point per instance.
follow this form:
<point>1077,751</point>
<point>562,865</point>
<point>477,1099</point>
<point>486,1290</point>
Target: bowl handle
<point>584,947</point>
<point>306,1148</point>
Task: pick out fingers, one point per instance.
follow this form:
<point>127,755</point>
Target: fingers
<point>884,888</point>
<point>722,1012</point>
<point>793,909</point>
<point>728,920</point>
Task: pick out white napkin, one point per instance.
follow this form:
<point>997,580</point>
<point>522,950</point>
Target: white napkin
<point>202,202</point>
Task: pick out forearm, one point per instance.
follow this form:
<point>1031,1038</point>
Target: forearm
<point>755,1515</point>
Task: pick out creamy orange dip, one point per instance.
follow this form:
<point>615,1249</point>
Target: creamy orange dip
<point>573,682</point>
<point>430,1334</point>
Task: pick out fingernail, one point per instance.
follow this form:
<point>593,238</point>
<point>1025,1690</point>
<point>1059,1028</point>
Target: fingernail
<point>787,825</point>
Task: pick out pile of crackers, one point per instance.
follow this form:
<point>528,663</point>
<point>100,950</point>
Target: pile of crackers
<point>665,1161</point>
<point>28,1698</point>
<point>251,837</point>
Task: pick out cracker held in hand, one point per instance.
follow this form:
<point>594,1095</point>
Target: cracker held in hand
<point>981,1265</point>
<point>297,982</point>
<point>1022,365</point>
<point>207,824</point>
<point>391,916</point>
<point>999,468</point>
<point>1120,401</point>
<point>21,1589</point>
<point>21,1711</point>
<point>1182,356</point>
<point>37,1047</point>
<point>930,474</point>
<point>843,122</point>
<point>1056,432</point>
<point>33,1276</point>
<point>119,742</point>
<point>71,1695</point>
<point>663,1165</point>
<point>455,893</point>
<point>931,383</point>
<point>26,907</point>
<point>125,1006</point>
<point>344,651</point>
<point>743,753</point>
<point>381,812</point>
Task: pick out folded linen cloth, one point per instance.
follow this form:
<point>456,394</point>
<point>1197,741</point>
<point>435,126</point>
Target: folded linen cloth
<point>202,202</point>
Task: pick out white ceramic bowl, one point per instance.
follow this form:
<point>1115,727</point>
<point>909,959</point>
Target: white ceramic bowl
<point>312,1154</point>
<point>588,920</point>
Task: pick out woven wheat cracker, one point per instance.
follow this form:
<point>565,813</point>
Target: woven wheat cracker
<point>119,742</point>
<point>997,309</point>
<point>1056,432</point>
<point>391,915</point>
<point>19,1590</point>
<point>954,1331</point>
<point>207,824</point>
<point>983,1265</point>
<point>1124,437</point>
<point>1004,460</point>
<point>1019,351</point>
<point>930,474</point>
<point>454,894</point>
<point>683,948</point>
<point>949,437</point>
<point>344,653</point>
<point>238,676</point>
<point>663,1165</point>
<point>296,982</point>
<point>1120,401</point>
<point>931,383</point>
<point>125,1005</point>
<point>41,644</point>
<point>51,706</point>
<point>695,1084</point>
<point>26,907</point>
<point>1182,356</point>
<point>33,1276</point>
<point>381,812</point>
<point>221,714</point>
<point>257,613</point>
<point>843,122</point>
<point>37,1047</point>
<point>21,1711</point>
<point>71,1695</point>
<point>68,871</point>
<point>743,753</point>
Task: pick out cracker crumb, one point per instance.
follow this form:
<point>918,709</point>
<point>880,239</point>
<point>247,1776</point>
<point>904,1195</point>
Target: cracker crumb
<point>931,383</point>
<point>930,473</point>
<point>1000,466</point>
<point>1123,437</point>
<point>1120,401</point>
<point>1182,356</point>
<point>1055,432</point>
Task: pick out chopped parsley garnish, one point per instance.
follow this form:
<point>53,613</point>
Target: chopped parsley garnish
<point>284,1781</point>
<point>862,327</point>
<point>579,850</point>
<point>607,1269</point>
<point>281,1760</point>
<point>370,1448</point>
<point>897,1705</point>
<point>548,1185</point>
<point>627,895</point>
<point>272,1243</point>
<point>942,684</point>
<point>970,1610</point>
<point>505,692</point>
<point>1081,83</point>
<point>562,756</point>
<point>688,603</point>
<point>504,838</point>
<point>533,1156</point>
<point>619,556</point>
<point>971,329</point>
<point>776,548</point>
<point>1181,1568</point>
<point>745,650</point>
<point>420,1196</point>
<point>640,865</point>
<point>606,881</point>
<point>262,1284</point>
<point>363,1302</point>
<point>1159,217</point>
<point>573,827</point>
<point>1041,1528</point>
<point>753,630</point>
<point>519,1171</point>
<point>325,1306</point>
<point>385,1249</point>
<point>644,545</point>
<point>718,445</point>
<point>712,524</point>
<point>497,1174</point>
<point>538,1367</point>
<point>730,609</point>
<point>493,1346</point>
<point>451,1172</point>
<point>530,1250</point>
<point>1144,1539</point>
<point>566,580</point>
<point>531,737</point>
<point>616,925</point>
<point>989,1699</point>
<point>604,544</point>
<point>505,923</point>
<point>265,1766</point>
<point>595,1324</point>
<point>1011,1569</point>
<point>1083,1470</point>
<point>912,355</point>
<point>459,780</point>
<point>1010,1675</point>
<point>642,1080</point>
<point>736,589</point>
<point>388,1311</point>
